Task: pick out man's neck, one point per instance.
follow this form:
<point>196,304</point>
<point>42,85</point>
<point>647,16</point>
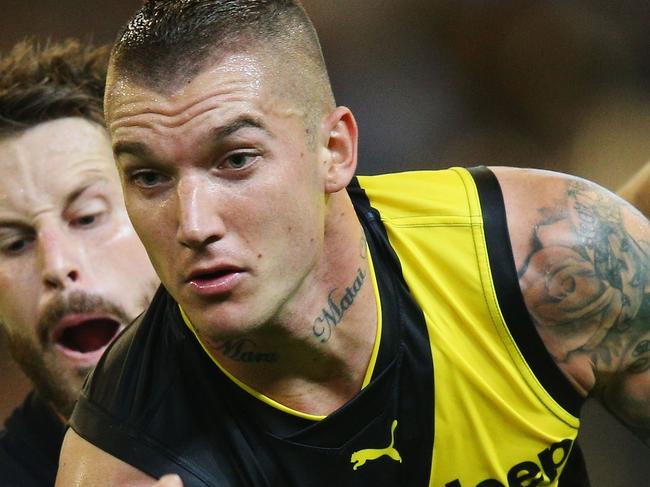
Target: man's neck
<point>314,355</point>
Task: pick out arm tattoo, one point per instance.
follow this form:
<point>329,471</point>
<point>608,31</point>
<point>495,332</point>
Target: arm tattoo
<point>585,280</point>
<point>586,284</point>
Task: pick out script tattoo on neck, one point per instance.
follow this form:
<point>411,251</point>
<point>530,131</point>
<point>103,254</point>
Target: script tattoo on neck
<point>337,304</point>
<point>243,350</point>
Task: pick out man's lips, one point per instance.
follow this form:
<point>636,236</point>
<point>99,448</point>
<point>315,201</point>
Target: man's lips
<point>214,280</point>
<point>82,336</point>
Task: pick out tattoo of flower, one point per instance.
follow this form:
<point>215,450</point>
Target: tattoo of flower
<point>585,278</point>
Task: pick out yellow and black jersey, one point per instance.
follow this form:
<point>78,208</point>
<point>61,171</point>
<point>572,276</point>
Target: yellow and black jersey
<point>460,391</point>
<point>503,412</point>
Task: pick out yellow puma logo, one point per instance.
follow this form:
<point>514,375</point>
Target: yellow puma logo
<point>359,458</point>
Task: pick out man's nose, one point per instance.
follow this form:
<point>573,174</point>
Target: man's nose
<point>199,223</point>
<point>61,258</point>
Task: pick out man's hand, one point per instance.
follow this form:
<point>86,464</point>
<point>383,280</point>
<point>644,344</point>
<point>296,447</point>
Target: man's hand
<point>169,481</point>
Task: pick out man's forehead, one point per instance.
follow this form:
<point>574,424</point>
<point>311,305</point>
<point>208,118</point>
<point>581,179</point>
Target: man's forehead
<point>234,85</point>
<point>22,196</point>
<point>249,68</point>
<point>63,137</point>
<point>60,152</point>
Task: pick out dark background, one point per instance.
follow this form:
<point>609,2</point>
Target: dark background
<point>562,85</point>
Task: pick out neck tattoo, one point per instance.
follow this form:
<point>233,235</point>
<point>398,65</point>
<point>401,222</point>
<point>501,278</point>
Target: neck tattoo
<point>333,312</point>
<point>244,350</point>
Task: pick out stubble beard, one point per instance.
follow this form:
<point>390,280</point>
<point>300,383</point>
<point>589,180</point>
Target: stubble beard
<point>57,382</point>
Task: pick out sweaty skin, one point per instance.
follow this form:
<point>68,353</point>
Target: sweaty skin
<point>220,180</point>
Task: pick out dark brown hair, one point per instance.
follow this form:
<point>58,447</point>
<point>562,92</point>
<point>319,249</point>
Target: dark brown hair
<point>171,41</point>
<point>45,82</point>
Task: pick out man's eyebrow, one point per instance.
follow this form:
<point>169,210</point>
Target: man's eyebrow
<point>221,133</point>
<point>137,149</point>
<point>83,187</point>
<point>141,151</point>
<point>10,224</point>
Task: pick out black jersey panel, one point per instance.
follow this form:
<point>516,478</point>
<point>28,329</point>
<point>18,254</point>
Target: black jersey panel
<point>30,444</point>
<point>574,473</point>
<point>99,428</point>
<point>143,406</point>
<point>158,402</point>
<point>416,378</point>
<point>511,301</point>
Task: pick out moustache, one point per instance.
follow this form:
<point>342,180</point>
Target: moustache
<point>76,302</point>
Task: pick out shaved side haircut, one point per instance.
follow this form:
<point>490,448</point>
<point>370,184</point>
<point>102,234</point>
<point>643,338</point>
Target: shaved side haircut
<point>168,42</point>
<point>39,83</point>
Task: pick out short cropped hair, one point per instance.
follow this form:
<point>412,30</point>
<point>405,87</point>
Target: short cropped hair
<point>40,83</point>
<point>168,42</point>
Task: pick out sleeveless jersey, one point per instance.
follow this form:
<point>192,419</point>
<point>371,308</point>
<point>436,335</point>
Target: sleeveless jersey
<point>460,391</point>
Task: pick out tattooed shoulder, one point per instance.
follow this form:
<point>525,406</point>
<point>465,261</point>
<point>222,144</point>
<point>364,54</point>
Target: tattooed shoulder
<point>585,277</point>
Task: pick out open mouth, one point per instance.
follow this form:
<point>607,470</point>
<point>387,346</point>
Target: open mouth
<point>88,335</point>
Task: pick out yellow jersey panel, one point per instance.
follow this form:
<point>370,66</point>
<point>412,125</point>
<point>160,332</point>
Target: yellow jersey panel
<point>494,421</point>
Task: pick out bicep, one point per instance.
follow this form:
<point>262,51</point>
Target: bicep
<point>582,256</point>
<point>81,464</point>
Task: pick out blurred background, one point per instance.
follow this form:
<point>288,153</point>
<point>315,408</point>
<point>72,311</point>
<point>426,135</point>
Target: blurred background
<point>555,84</point>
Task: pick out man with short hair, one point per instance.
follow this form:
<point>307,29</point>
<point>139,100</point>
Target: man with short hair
<point>73,273</point>
<point>319,328</point>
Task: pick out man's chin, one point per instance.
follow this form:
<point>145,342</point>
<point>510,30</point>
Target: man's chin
<point>60,387</point>
<point>56,380</point>
<point>80,361</point>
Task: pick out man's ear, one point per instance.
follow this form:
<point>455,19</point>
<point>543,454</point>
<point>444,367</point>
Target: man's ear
<point>340,139</point>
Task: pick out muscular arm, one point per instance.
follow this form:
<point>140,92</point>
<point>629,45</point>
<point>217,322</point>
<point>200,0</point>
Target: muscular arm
<point>583,259</point>
<point>84,465</point>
